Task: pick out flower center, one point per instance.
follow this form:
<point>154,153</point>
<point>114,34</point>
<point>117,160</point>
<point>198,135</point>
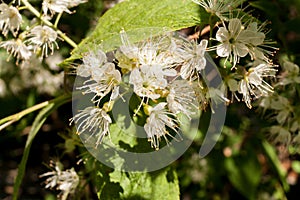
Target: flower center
<point>232,40</point>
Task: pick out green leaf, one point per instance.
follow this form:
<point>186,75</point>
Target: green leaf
<point>37,124</point>
<point>142,19</point>
<point>162,184</point>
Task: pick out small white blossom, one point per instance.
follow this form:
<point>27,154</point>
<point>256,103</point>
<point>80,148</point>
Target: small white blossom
<point>182,98</point>
<point>147,80</point>
<point>237,41</point>
<point>17,49</point>
<point>93,120</point>
<point>257,44</point>
<point>157,122</point>
<point>91,60</point>
<point>232,40</point>
<point>254,84</point>
<point>10,19</point>
<point>59,6</point>
<point>64,180</point>
<point>43,37</point>
<point>218,7</point>
<point>192,55</point>
<point>103,80</point>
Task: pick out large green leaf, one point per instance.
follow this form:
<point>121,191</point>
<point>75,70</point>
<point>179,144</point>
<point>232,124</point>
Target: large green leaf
<point>140,18</point>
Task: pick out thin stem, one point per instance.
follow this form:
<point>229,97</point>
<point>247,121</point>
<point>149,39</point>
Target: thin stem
<point>211,30</point>
<point>15,117</point>
<point>57,19</point>
<point>61,34</point>
<point>22,8</point>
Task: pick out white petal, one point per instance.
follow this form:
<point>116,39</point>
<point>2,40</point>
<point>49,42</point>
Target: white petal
<point>235,26</point>
<point>223,50</point>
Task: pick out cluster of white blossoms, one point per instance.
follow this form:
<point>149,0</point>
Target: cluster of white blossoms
<point>64,180</point>
<point>37,40</point>
<point>242,42</point>
<point>163,72</point>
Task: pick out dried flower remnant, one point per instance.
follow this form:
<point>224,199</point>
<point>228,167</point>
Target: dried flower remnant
<point>17,49</point>
<point>93,120</point>
<point>10,19</point>
<point>44,38</point>
<point>64,180</point>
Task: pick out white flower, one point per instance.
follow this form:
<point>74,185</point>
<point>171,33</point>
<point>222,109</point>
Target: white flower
<point>93,120</point>
<point>218,7</point>
<point>103,80</point>
<point>254,84</point>
<point>91,60</point>
<point>154,51</point>
<point>147,80</point>
<point>157,122</point>
<point>192,55</point>
<point>10,19</point>
<point>232,40</point>
<point>43,37</point>
<point>257,44</point>
<point>237,41</point>
<point>17,49</point>
<point>59,6</point>
<point>64,180</point>
<point>182,98</point>
<point>150,64</point>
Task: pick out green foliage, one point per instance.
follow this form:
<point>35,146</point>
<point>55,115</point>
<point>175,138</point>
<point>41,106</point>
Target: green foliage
<point>162,184</point>
<point>141,19</point>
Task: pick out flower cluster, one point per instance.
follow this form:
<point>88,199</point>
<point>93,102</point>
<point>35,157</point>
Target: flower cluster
<point>64,180</point>
<point>242,43</point>
<point>163,72</point>
<point>38,39</point>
